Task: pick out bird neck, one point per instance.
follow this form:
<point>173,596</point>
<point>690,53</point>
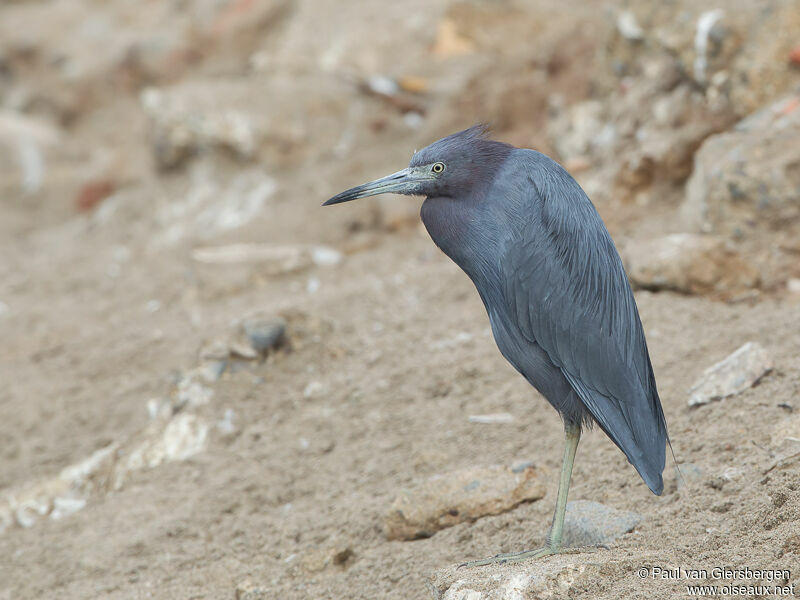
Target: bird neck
<point>464,230</point>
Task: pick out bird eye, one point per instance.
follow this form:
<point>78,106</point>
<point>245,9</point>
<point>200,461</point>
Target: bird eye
<point>437,167</point>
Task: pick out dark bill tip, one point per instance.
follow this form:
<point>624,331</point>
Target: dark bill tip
<point>402,182</point>
<point>350,194</point>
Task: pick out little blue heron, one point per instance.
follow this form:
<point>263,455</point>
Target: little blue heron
<point>559,303</point>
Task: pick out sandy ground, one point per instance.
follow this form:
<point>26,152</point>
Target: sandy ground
<point>388,354</point>
<point>400,379</point>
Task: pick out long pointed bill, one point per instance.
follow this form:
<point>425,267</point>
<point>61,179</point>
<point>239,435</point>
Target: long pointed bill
<point>403,182</point>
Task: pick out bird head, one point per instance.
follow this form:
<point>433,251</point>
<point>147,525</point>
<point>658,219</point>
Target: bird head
<point>449,167</point>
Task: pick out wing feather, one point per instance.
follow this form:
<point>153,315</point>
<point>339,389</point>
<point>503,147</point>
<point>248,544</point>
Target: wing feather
<point>566,289</point>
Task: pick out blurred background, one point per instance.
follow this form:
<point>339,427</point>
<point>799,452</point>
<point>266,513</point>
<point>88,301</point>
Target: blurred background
<point>212,387</point>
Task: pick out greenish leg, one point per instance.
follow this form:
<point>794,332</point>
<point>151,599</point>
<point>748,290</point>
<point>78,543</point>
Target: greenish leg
<point>553,543</point>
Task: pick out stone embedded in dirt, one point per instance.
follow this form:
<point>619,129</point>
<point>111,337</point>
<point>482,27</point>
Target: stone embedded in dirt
<point>492,418</point>
<point>464,495</point>
<point>190,393</point>
<point>180,129</point>
<point>164,439</point>
<point>689,263</point>
<point>176,439</point>
<point>213,203</point>
<point>264,333</point>
<point>554,577</point>
<point>594,524</point>
<point>24,146</point>
<point>746,180</point>
<point>319,559</point>
<point>735,54</point>
<point>322,256</point>
<point>732,375</point>
<point>226,425</point>
<point>267,259</point>
<point>629,27</point>
<point>92,193</point>
<point>314,389</point>
<point>65,505</point>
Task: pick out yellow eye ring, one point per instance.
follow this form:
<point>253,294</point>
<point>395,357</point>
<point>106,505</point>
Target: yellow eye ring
<point>437,167</point>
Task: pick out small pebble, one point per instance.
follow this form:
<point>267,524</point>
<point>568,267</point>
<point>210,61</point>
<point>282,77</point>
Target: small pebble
<point>314,389</point>
<point>322,256</point>
<point>264,333</point>
<point>380,84</point>
<point>732,375</point>
<point>225,426</point>
<point>594,524</point>
<point>63,506</point>
<point>492,418</point>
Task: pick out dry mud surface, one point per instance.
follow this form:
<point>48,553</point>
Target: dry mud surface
<point>403,353</point>
<point>284,468</point>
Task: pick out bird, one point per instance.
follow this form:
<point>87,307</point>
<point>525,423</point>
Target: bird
<point>557,296</point>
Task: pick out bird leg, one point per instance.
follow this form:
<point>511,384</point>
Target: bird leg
<point>553,542</point>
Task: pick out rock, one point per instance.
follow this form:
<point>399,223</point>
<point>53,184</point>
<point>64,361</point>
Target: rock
<point>492,418</point>
<point>314,389</point>
<point>322,256</point>
<point>464,495</point>
<point>264,333</point>
<point>269,259</point>
<point>594,524</point>
<point>191,393</point>
<point>735,54</point>
<point>243,351</point>
<point>41,165</point>
<point>65,505</point>
<point>93,193</point>
<point>213,204</point>
<point>555,577</point>
<point>747,180</point>
<point>211,370</point>
<point>582,131</point>
<point>25,143</point>
<point>164,439</point>
<point>226,425</point>
<point>320,559</point>
<point>643,135</point>
<point>275,118</point>
<point>629,27</point>
<point>181,128</point>
<point>180,438</point>
<point>689,263</point>
<point>734,374</point>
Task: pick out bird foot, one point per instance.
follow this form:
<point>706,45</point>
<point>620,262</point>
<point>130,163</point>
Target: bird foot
<point>502,559</point>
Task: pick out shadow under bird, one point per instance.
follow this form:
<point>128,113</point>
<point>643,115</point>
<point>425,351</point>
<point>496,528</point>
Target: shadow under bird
<point>560,306</point>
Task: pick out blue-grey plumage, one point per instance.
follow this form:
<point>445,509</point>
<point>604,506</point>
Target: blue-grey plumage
<point>559,302</point>
<point>561,308</point>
